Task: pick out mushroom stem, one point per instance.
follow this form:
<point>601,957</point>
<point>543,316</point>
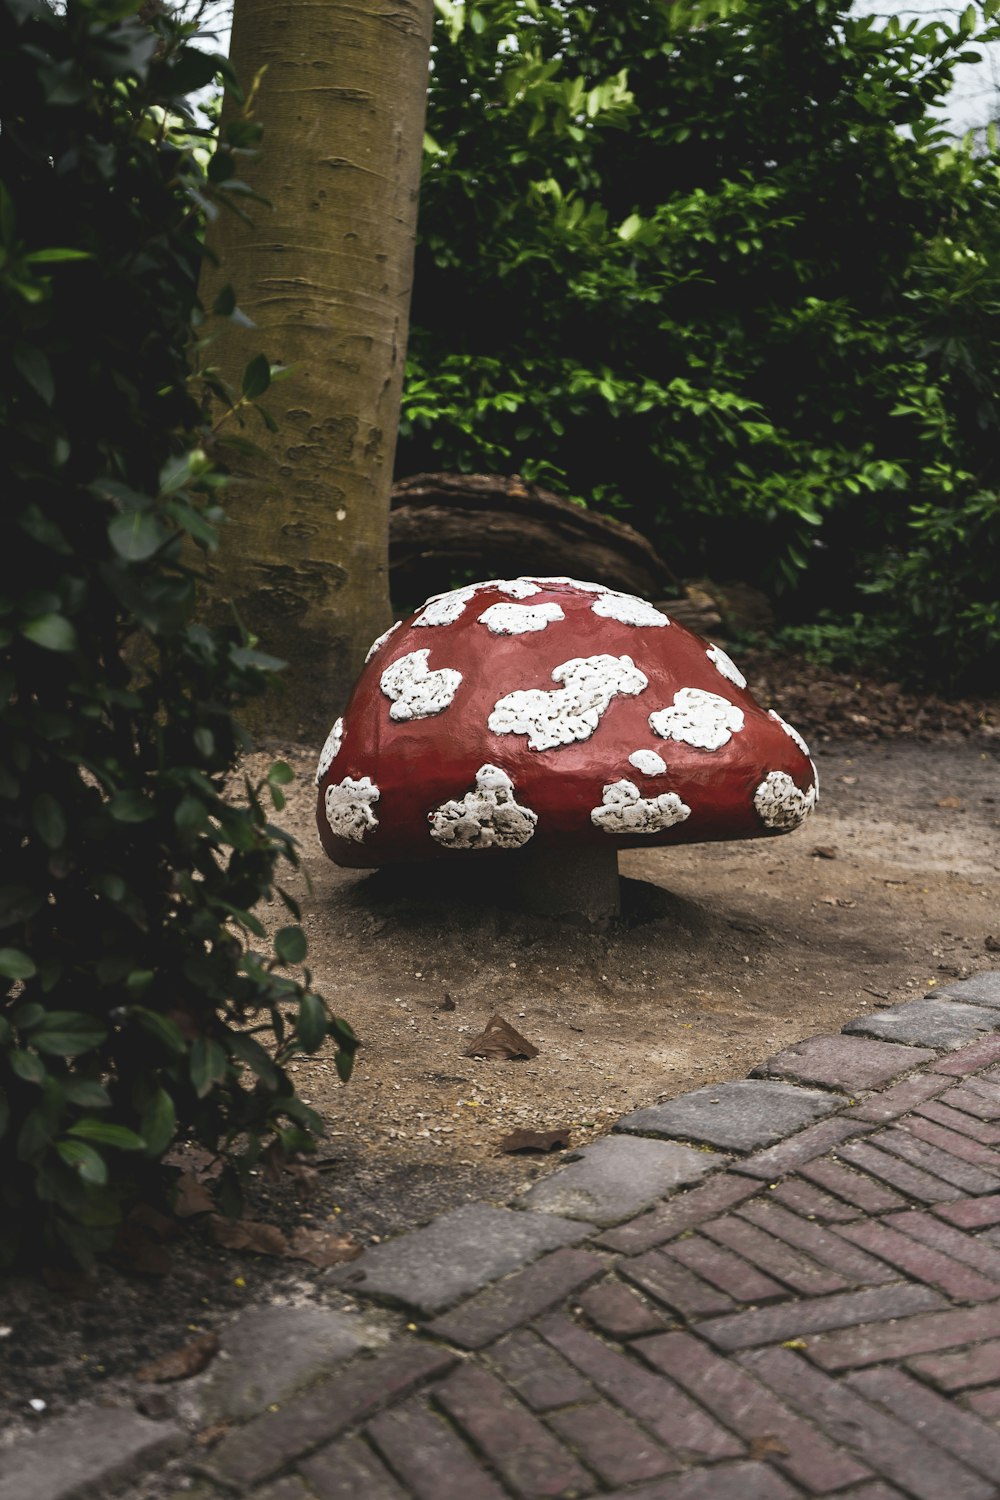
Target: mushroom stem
<point>578,885</point>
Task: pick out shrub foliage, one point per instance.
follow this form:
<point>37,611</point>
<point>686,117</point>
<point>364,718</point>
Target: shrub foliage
<point>718,262</point>
<point>132,992</point>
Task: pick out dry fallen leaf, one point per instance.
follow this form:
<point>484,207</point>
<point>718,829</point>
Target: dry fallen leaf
<point>247,1234</point>
<point>191,1198</point>
<point>133,1251</point>
<point>760,1447</point>
<point>954,802</point>
<point>837,901</point>
<point>535,1140</point>
<point>208,1436</point>
<point>181,1364</point>
<point>992,943</point>
<point>824,851</point>
<point>848,780</point>
<point>499,1041</point>
<point>320,1248</point>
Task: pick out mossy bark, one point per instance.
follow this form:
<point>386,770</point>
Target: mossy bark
<point>325,275</point>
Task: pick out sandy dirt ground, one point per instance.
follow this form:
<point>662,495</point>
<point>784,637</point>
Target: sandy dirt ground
<point>726,954</point>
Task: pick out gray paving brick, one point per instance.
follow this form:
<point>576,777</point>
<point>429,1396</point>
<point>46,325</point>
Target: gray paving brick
<point>509,1304</point>
<point>428,1456</point>
<point>928,1023</point>
<point>900,1099</point>
<point>794,1320</point>
<point>615,1448</point>
<point>892,1448</point>
<point>741,1116</point>
<point>454,1256</point>
<point>92,1451</point>
<point>790,1154</point>
<point>981,989</point>
<point>540,1376</point>
<point>752,1411</point>
<point>348,1470</point>
<point>669,1282</point>
<point>748,1481</point>
<point>972,1213</point>
<point>942,1422</point>
<point>616,1178</point>
<point>271,1442</point>
<point>985,1402</point>
<point>848,1063</point>
<point>875,1342</point>
<point>979,1365</point>
<point>679,1214</point>
<point>269,1352</point>
<point>659,1404</point>
<point>531,1461</point>
<point>620,1311</point>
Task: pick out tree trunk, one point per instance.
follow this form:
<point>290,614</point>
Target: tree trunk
<point>325,275</point>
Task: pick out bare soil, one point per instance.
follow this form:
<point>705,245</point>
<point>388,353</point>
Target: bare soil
<point>725,954</point>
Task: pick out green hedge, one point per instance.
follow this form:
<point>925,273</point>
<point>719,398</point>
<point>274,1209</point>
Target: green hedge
<point>141,1001</point>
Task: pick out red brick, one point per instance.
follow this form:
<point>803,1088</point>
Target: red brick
<point>685,1211</point>
<point>873,1343</point>
<point>345,1470</point>
<point>620,1312</point>
<point>968,1059</point>
<point>730,1273</point>
<point>986,1403</point>
<point>957,1372</point>
<point>749,1481</point>
<point>988,1090</point>
<point>792,1320</point>
<point>972,1213</point>
<point>900,1099</point>
<point>668,1281</point>
<point>938,1420</point>
<point>515,1301</point>
<point>929,1230</point>
<point>540,1376</point>
<point>969,1099</point>
<point>814,1141</point>
<point>795,1269</point>
<point>954,1119</point>
<point>752,1411</point>
<point>662,1407</point>
<point>876,1491</point>
<point>921,1261</point>
<point>811,1203</point>
<point>892,1448</point>
<point>853,1186</point>
<point>943,1164</point>
<point>889,1168</point>
<point>614,1447</point>
<point>854,1265</point>
<point>528,1457</point>
<point>428,1456</point>
<point>952,1142</point>
<point>270,1442</point>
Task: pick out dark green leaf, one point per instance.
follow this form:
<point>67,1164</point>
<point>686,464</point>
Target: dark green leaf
<point>27,1066</point>
<point>52,631</point>
<point>159,1123</point>
<point>136,535</point>
<point>68,1033</point>
<point>87,1093</point>
<point>208,1065</point>
<point>161,1028</point>
<point>311,1025</point>
<point>107,1134</point>
<point>15,965</point>
<point>47,816</point>
<point>256,377</point>
<point>84,1159</point>
<point>131,807</point>
<point>290,945</point>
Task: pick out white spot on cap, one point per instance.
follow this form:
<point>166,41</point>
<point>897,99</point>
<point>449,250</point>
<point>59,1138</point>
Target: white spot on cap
<point>416,690</point>
<point>697,718</point>
<point>517,619</point>
<point>780,803</point>
<point>514,588</point>
<point>648,762</point>
<point>628,609</point>
<point>486,818</point>
<point>380,641</point>
<point>330,750</point>
<point>794,734</point>
<point>576,583</point>
<point>726,666</point>
<point>445,609</point>
<point>624,810</point>
<point>570,713</point>
<point>350,808</point>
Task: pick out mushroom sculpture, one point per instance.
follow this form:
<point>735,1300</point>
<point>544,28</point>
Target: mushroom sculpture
<point>536,726</point>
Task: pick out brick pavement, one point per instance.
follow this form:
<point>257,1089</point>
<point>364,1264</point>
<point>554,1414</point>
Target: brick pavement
<point>796,1293</point>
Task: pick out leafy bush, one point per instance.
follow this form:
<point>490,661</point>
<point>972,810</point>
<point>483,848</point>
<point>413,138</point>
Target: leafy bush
<point>129,879</point>
<point>719,264</point>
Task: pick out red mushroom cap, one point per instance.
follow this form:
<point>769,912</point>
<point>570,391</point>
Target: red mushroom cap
<point>534,709</point>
